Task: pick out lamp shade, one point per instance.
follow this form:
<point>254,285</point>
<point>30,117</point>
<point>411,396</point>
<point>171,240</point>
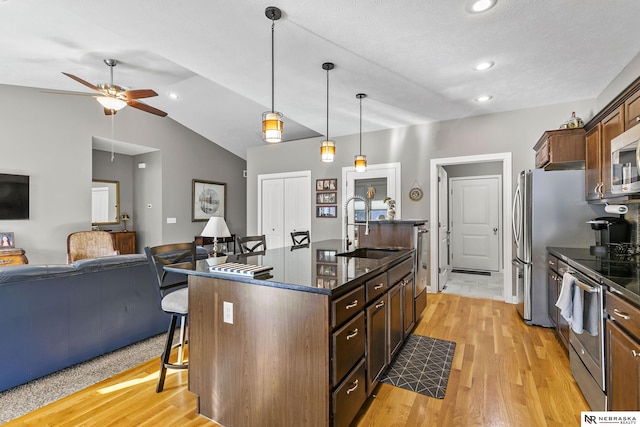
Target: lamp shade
<point>360,163</point>
<point>111,103</point>
<point>327,151</point>
<point>216,227</point>
<point>272,126</point>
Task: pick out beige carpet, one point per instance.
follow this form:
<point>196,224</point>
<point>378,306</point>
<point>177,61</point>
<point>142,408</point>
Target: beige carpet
<point>27,397</point>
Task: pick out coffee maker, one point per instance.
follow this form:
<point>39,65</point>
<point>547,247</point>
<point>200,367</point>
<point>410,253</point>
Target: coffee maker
<point>609,229</point>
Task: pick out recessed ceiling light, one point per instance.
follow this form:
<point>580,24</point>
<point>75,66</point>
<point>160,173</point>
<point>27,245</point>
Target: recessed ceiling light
<point>484,98</point>
<point>479,6</point>
<point>173,95</point>
<point>483,66</point>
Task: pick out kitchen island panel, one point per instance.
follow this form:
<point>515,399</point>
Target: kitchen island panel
<point>272,362</point>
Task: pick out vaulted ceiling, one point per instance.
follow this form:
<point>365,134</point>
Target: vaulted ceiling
<point>413,58</point>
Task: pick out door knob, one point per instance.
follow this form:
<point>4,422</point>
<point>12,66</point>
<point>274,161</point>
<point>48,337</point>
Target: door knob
<point>495,230</point>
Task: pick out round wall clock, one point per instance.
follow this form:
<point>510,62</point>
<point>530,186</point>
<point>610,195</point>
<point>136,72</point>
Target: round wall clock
<point>415,194</point>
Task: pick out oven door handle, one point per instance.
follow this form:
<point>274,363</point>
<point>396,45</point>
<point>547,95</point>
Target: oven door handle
<point>582,285</point>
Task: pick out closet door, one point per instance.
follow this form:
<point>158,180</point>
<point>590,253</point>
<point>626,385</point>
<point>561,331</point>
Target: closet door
<point>273,211</point>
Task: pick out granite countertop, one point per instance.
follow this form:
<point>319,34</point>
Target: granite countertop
<point>619,273</point>
<point>315,268</point>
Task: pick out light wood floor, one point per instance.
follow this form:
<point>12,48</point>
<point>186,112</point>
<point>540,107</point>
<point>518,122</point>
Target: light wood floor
<point>504,374</point>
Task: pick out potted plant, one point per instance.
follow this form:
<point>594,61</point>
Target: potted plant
<point>391,207</point>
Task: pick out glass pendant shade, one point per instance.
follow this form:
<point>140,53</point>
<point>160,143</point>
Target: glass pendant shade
<point>360,163</point>
<point>111,103</point>
<point>272,126</point>
<point>327,151</point>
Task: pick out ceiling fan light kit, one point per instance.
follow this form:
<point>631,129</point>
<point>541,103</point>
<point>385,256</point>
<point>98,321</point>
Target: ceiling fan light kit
<point>114,98</point>
<point>272,120</point>
<point>327,147</point>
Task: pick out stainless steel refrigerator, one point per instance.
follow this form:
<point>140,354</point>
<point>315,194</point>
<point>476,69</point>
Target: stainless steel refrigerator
<point>549,209</point>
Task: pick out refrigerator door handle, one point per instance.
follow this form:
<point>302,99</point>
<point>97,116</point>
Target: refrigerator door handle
<point>516,222</point>
<point>517,263</point>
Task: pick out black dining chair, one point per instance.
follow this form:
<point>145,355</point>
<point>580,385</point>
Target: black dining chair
<point>173,296</point>
<point>255,245</point>
<point>300,239</point>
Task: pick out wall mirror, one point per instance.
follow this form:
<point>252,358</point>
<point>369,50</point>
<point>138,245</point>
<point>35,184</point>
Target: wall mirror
<point>105,202</point>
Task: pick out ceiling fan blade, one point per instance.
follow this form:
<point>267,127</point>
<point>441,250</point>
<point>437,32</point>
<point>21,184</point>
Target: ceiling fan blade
<point>63,92</point>
<point>84,82</point>
<point>147,108</point>
<point>138,93</point>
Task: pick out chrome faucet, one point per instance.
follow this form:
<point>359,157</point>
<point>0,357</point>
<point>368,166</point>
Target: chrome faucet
<point>346,219</point>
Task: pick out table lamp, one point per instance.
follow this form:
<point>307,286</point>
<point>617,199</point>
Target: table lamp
<point>125,218</point>
<point>216,227</point>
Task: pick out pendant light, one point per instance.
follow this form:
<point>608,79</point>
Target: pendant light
<point>327,147</point>
<point>360,162</point>
<point>272,120</point>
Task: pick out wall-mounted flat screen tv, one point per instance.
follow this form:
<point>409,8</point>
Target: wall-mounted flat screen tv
<point>14,196</point>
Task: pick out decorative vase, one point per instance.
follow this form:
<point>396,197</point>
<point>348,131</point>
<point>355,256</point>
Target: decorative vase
<point>391,213</point>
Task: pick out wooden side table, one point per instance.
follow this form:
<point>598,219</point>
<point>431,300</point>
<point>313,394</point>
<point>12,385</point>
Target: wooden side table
<point>12,256</point>
<point>124,241</point>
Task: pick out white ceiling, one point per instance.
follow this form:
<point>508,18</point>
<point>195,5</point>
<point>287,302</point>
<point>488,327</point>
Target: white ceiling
<point>413,58</point>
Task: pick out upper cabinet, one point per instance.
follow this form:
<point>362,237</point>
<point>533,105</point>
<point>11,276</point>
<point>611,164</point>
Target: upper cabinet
<point>621,114</point>
<point>560,149</point>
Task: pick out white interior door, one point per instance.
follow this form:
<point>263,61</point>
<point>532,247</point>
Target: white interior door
<point>475,223</point>
<point>443,228</point>
<point>285,206</point>
<point>273,212</point>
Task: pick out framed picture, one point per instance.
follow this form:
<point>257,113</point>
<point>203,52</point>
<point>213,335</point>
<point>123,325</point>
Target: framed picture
<point>323,255</point>
<point>326,211</point>
<point>319,184</point>
<point>330,270</point>
<point>326,198</point>
<point>329,184</point>
<point>208,199</point>
<point>6,240</point>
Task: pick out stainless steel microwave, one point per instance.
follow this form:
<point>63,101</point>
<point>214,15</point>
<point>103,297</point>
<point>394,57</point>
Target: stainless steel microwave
<point>625,159</point>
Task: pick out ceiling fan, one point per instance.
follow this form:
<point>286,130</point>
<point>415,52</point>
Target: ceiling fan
<point>114,98</point>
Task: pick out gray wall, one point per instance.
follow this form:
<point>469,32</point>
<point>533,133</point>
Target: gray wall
<point>49,138</point>
<point>121,170</point>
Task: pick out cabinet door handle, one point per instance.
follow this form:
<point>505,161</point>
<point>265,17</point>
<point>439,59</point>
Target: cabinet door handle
<point>622,314</point>
<point>550,262</point>
<point>638,119</point>
<point>635,353</point>
<point>353,304</point>
<point>352,334</point>
<point>380,286</point>
<point>380,304</point>
<point>352,389</point>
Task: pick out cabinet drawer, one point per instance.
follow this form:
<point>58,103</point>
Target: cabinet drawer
<point>347,306</point>
<point>376,286</point>
<point>349,397</point>
<point>397,272</point>
<point>348,347</point>
<point>624,313</point>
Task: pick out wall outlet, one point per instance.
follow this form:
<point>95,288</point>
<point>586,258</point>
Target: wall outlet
<point>227,308</point>
<point>171,220</point>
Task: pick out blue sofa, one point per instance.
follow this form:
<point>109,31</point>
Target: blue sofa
<point>55,316</point>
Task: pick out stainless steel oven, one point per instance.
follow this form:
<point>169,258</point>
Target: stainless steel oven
<point>586,352</point>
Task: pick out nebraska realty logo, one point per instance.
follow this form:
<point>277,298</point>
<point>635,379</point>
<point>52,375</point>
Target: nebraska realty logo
<point>615,418</point>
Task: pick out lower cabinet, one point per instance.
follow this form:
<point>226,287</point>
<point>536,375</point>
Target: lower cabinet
<point>396,330</point>
<point>623,369</point>
<point>555,272</point>
<point>408,312</point>
<point>376,341</point>
<point>349,397</point>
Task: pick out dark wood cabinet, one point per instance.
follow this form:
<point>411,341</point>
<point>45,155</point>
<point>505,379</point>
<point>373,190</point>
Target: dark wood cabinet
<point>395,329</point>
<point>632,111</point>
<point>408,315</point>
<point>376,341</point>
<point>561,149</point>
<point>348,344</point>
<point>623,369</point>
<point>598,155</point>
<point>555,271</point>
<point>124,241</point>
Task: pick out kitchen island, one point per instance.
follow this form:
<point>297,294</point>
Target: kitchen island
<point>303,344</point>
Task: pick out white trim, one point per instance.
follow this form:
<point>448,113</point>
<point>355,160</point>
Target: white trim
<point>507,179</point>
<point>262,177</point>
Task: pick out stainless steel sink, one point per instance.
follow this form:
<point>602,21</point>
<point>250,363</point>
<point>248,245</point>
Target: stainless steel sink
<point>373,253</point>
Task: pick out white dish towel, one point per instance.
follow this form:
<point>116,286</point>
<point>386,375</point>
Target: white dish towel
<point>565,299</point>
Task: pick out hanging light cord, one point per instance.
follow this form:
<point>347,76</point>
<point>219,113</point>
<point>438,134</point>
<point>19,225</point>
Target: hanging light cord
<point>273,25</point>
<point>361,126</point>
<point>327,104</point>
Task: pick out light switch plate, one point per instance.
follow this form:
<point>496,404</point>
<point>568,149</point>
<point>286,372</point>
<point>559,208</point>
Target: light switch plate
<point>227,308</point>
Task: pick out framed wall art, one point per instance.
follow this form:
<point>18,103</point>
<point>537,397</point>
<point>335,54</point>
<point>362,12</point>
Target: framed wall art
<point>326,211</point>
<point>208,199</point>
<point>326,198</point>
<point>6,240</point>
